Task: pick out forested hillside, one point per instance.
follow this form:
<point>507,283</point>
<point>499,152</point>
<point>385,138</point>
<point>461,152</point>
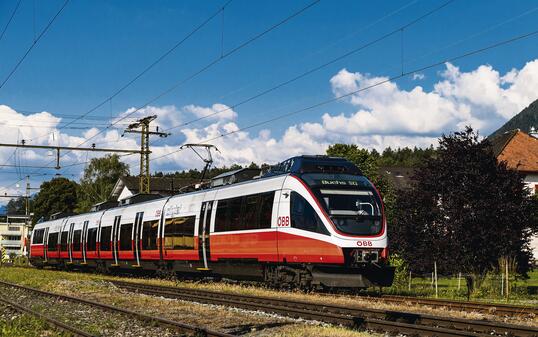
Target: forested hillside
<point>524,120</point>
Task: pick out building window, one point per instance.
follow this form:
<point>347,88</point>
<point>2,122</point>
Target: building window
<point>76,240</point>
<point>63,241</point>
<point>13,229</point>
<point>243,213</point>
<point>179,233</point>
<point>105,238</point>
<point>126,231</point>
<point>52,242</point>
<point>303,215</point>
<point>38,236</point>
<point>92,239</point>
<point>12,237</point>
<point>149,234</point>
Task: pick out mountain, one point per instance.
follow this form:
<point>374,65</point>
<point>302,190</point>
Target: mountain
<point>524,120</point>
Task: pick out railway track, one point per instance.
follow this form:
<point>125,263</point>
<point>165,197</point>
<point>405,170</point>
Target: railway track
<point>49,320</point>
<point>496,309</point>
<point>153,320</point>
<point>354,317</point>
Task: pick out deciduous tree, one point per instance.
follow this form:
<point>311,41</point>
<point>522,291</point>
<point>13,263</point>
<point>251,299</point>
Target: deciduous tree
<point>56,195</point>
<point>465,210</point>
<point>99,179</point>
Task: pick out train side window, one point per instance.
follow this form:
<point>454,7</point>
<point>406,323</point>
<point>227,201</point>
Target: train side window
<point>76,240</point>
<point>303,215</point>
<point>92,239</point>
<point>106,233</point>
<point>63,241</point>
<point>250,217</point>
<point>149,234</point>
<point>53,241</point>
<point>38,237</point>
<point>179,233</point>
<point>243,213</point>
<point>266,209</point>
<point>126,231</point>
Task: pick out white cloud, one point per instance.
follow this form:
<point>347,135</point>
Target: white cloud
<point>215,112</point>
<point>418,76</point>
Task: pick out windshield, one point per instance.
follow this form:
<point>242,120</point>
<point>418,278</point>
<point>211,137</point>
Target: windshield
<point>350,201</point>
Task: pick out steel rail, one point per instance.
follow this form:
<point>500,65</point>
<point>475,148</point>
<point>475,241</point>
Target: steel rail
<point>497,308</point>
<point>355,317</point>
<point>186,328</point>
<point>51,321</point>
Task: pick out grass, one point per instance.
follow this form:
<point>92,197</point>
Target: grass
<point>27,326</point>
<point>490,291</point>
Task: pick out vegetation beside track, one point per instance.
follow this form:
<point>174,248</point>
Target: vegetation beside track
<point>15,324</point>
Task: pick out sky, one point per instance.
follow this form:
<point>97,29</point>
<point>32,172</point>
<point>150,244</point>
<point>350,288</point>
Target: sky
<point>222,72</point>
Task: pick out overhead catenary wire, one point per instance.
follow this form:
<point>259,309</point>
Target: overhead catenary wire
<point>34,43</point>
<point>389,79</point>
<point>10,19</point>
<point>317,68</point>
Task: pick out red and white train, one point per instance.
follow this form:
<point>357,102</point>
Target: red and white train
<point>311,221</point>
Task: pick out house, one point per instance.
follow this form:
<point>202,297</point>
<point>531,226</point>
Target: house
<point>13,233</point>
<point>128,186</point>
<point>399,176</point>
<point>520,151</point>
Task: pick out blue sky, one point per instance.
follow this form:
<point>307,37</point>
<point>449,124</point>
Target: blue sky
<point>94,47</point>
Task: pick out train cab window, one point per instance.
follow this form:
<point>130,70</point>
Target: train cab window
<point>105,238</point>
<point>38,237</point>
<point>149,234</point>
<point>52,242</point>
<point>179,233</point>
<point>266,209</point>
<point>303,215</point>
<point>63,241</point>
<point>76,240</point>
<point>92,239</point>
<point>126,232</point>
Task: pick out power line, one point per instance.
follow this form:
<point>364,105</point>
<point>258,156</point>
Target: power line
<point>209,65</point>
<point>10,19</point>
<point>322,103</point>
<point>34,44</point>
<point>313,70</point>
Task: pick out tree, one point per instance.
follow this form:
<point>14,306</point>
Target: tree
<point>56,195</point>
<point>465,210</point>
<point>99,179</point>
<point>17,206</point>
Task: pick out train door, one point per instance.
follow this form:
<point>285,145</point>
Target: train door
<point>84,239</point>
<point>115,236</point>
<point>203,233</point>
<point>70,242</point>
<point>137,236</point>
<point>286,243</point>
<point>46,244</point>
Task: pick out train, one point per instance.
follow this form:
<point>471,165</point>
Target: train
<point>310,221</point>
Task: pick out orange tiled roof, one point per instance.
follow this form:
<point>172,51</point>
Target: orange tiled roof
<point>520,152</point>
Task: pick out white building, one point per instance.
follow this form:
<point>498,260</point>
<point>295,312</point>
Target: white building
<point>13,232</point>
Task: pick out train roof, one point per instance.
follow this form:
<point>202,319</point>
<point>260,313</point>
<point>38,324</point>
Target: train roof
<point>294,165</point>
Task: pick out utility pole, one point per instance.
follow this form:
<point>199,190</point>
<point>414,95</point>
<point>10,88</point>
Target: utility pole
<point>141,126</point>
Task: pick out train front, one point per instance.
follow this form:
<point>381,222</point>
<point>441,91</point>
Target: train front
<point>350,214</point>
